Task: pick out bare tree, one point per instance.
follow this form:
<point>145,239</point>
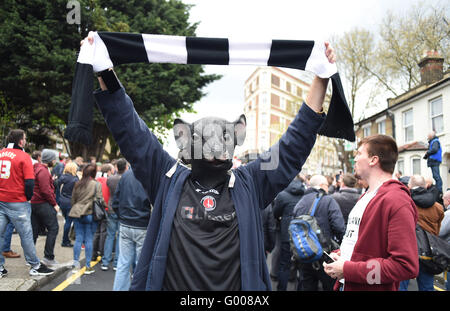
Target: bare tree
<point>403,41</point>
<point>355,52</point>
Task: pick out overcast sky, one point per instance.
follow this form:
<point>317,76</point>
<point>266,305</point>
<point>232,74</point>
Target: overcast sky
<point>280,19</point>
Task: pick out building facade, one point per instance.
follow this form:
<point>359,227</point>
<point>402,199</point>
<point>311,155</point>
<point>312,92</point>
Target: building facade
<point>380,123</point>
<point>409,118</point>
<point>272,99</point>
<point>420,111</point>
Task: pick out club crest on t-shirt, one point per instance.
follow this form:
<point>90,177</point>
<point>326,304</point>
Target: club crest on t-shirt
<point>209,203</point>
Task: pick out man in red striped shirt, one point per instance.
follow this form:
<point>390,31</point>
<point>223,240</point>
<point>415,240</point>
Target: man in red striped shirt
<point>16,189</point>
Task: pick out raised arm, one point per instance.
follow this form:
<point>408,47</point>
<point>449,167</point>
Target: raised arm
<point>275,169</point>
<point>137,143</point>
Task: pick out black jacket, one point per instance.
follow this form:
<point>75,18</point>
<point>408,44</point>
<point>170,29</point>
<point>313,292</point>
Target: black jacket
<point>65,183</point>
<point>284,205</point>
<point>269,226</point>
<point>422,197</point>
<point>130,202</point>
<point>346,198</point>
<point>328,214</point>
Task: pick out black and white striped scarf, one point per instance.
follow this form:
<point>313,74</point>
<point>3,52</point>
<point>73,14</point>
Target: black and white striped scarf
<point>112,49</point>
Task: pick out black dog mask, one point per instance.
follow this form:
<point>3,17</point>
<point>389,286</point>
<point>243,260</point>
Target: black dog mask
<point>208,144</point>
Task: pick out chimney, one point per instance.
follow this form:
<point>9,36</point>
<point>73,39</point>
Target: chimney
<point>431,67</point>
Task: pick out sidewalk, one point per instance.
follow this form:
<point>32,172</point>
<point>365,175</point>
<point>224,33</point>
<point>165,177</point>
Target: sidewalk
<point>18,278</point>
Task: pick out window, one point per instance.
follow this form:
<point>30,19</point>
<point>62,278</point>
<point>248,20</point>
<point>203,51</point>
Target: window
<point>275,100</point>
<point>408,128</point>
<point>274,119</point>
<point>436,115</point>
<point>263,119</point>
<point>366,130</point>
<point>264,104</point>
<point>283,104</point>
<point>382,127</point>
<point>264,79</point>
<point>415,163</point>
<point>401,166</point>
<point>288,86</point>
<point>275,80</point>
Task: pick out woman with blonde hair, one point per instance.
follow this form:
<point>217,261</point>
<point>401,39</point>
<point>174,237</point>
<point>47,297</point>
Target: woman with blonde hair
<point>84,193</point>
<point>65,185</point>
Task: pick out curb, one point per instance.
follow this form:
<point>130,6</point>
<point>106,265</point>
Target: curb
<point>33,282</point>
<point>39,281</point>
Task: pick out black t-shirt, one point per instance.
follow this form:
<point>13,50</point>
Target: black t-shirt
<point>204,245</point>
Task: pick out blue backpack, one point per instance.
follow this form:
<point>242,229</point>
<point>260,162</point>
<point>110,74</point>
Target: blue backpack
<point>306,239</point>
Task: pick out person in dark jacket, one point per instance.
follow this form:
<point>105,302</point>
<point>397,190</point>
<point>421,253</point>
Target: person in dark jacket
<point>132,206</point>
<point>331,222</point>
<point>44,207</point>
<point>431,187</point>
<point>283,209</point>
<point>431,214</point>
<point>65,185</point>
<point>347,196</point>
<point>206,228</point>
<point>434,158</point>
<point>269,226</point>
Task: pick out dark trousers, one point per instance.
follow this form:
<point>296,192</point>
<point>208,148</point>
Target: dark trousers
<point>44,214</point>
<point>99,240</point>
<point>284,267</point>
<point>437,176</point>
<point>67,224</point>
<point>312,274</point>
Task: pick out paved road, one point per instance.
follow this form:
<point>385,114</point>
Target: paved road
<point>97,281</point>
<point>103,281</point>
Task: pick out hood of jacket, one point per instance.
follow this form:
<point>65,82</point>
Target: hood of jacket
<point>296,187</point>
<point>314,190</point>
<point>422,197</point>
<point>39,167</point>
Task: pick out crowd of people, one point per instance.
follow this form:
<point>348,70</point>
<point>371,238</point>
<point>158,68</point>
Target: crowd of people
<point>341,194</point>
<point>70,187</point>
<point>45,185</point>
<point>48,184</point>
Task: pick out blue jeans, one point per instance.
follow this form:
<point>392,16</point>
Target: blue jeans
<point>7,235</point>
<point>85,227</point>
<point>425,281</point>
<point>65,209</point>
<point>19,213</point>
<point>437,176</point>
<point>112,229</point>
<point>130,245</point>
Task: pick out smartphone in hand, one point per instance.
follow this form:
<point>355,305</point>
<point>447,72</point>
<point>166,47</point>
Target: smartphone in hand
<point>328,258</point>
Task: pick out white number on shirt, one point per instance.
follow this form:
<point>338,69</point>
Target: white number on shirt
<point>5,167</point>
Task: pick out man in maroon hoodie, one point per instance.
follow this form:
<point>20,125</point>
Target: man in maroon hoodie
<point>44,208</point>
<point>379,248</point>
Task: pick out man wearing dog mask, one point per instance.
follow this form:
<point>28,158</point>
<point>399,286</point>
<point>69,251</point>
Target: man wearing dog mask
<point>205,231</point>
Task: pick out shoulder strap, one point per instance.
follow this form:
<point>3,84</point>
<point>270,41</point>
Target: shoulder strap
<point>96,186</point>
<point>313,208</point>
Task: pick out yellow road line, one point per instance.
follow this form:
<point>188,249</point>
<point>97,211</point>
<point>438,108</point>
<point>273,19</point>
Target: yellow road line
<point>73,277</point>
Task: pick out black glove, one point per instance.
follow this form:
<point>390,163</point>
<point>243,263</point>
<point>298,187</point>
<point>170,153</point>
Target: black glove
<point>425,156</point>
